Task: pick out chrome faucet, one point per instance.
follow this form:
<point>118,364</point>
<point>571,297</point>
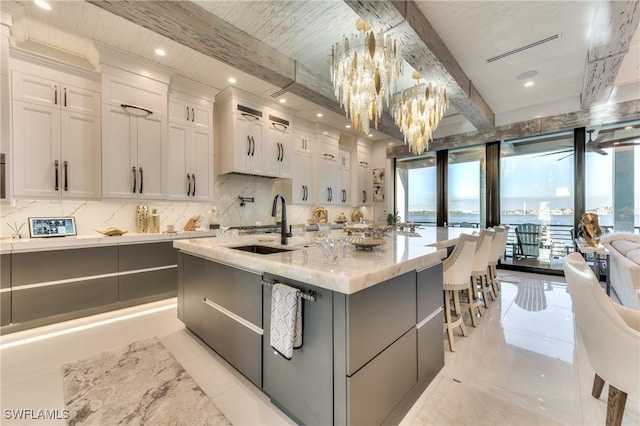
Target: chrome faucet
<point>274,212</point>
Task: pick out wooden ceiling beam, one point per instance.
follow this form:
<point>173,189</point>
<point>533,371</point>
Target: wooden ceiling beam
<point>598,115</point>
<point>425,51</point>
<point>615,23</point>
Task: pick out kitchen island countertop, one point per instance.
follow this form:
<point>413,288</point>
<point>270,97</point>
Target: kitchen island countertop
<point>359,269</point>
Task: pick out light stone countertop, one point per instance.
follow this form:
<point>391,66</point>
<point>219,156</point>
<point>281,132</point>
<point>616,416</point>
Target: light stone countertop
<point>24,245</point>
<point>356,271</point>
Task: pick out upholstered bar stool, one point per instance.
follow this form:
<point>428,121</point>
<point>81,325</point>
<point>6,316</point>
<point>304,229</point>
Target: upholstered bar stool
<point>479,278</point>
<point>496,254</point>
<point>455,279</point>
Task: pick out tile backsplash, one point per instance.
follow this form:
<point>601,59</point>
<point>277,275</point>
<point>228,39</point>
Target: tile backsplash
<point>97,215</point>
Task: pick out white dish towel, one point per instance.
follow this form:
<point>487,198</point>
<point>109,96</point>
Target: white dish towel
<point>286,320</point>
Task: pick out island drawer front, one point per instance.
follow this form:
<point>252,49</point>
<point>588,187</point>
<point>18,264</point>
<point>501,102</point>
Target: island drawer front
<point>429,291</point>
<point>304,384</point>
<point>235,290</point>
<point>237,344</point>
<point>5,283</point>
<point>159,284</point>
<point>430,352</point>
<point>5,308</point>
<point>142,256</point>
<point>55,265</point>
<point>192,281</point>
<point>379,386</point>
<point>377,316</point>
<point>40,302</point>
<point>5,271</point>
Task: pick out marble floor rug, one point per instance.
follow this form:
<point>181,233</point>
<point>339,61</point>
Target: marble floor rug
<point>453,403</point>
<point>139,384</point>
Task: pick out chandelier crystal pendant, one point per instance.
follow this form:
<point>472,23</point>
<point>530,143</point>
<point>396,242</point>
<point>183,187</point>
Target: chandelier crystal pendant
<point>364,72</point>
<point>417,112</point>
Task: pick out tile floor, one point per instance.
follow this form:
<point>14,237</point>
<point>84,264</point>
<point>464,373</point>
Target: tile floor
<point>522,365</point>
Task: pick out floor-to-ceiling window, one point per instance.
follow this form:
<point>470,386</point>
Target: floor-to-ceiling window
<point>536,195</point>
<point>612,176</point>
<point>416,189</point>
<point>467,187</point>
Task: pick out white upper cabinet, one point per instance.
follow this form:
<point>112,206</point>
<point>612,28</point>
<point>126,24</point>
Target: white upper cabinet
<point>277,146</point>
<point>252,139</point>
<point>344,178</point>
<point>190,153</point>
<point>327,167</point>
<point>303,167</point>
<point>56,135</point>
<point>134,135</point>
<point>364,195</point>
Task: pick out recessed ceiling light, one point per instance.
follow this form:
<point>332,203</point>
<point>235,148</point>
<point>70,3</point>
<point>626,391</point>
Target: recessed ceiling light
<point>43,4</point>
<point>370,135</point>
<point>528,83</point>
<point>283,101</point>
<point>628,128</point>
<point>348,126</point>
<point>231,80</point>
<point>527,75</point>
<point>325,133</point>
<point>319,115</point>
<point>160,52</point>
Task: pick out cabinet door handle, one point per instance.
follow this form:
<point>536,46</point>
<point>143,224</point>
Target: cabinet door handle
<point>193,192</point>
<point>64,91</point>
<point>244,114</point>
<point>304,192</point>
<point>187,113</point>
<point>364,196</point>
<point>133,169</point>
<point>279,126</point>
<point>248,145</point>
<point>253,146</point>
<point>141,180</point>
<point>188,184</point>
<point>364,163</point>
<point>193,115</point>
<point>127,106</point>
<point>344,195</point>
<point>55,174</point>
<point>55,95</point>
<point>329,155</point>
<point>66,177</point>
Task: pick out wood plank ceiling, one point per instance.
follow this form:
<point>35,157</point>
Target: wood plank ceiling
<point>285,44</point>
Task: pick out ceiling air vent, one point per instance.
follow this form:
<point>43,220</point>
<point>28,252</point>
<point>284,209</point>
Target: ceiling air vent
<point>528,46</point>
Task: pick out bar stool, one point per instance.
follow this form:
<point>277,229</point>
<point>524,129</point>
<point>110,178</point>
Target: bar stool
<point>497,252</point>
<point>479,279</point>
<point>455,279</point>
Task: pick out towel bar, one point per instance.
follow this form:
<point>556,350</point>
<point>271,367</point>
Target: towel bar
<point>308,296</point>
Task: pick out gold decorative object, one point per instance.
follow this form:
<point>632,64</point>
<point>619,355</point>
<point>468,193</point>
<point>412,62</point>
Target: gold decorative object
<point>356,216</point>
<point>341,218</point>
<point>320,215</point>
<point>417,112</point>
<point>589,229</point>
<point>111,232</point>
<point>142,219</point>
<point>154,222</point>
<point>364,72</point>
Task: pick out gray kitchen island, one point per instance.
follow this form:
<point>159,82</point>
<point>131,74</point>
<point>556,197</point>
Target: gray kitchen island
<point>372,322</point>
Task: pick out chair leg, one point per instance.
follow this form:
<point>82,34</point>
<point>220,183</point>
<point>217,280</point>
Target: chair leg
<point>598,384</point>
<point>447,316</point>
<point>456,304</point>
<point>494,268</point>
<point>493,281</point>
<point>615,406</point>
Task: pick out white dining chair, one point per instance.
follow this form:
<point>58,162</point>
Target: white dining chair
<point>611,336</point>
<point>479,275</point>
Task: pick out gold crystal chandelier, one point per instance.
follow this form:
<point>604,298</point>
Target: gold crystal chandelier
<point>364,72</point>
<point>417,112</point>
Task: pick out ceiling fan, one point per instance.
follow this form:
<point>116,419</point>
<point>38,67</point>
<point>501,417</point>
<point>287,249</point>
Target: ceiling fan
<point>598,145</point>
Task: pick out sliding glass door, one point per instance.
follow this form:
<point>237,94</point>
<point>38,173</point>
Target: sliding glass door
<point>416,189</point>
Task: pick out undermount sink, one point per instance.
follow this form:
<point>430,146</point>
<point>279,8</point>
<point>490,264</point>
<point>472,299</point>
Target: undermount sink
<point>254,248</point>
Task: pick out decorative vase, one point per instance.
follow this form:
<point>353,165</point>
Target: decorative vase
<point>154,222</point>
<point>142,219</point>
